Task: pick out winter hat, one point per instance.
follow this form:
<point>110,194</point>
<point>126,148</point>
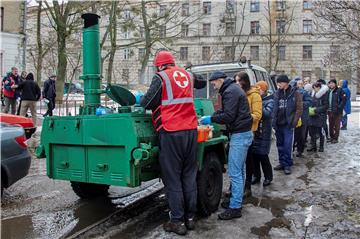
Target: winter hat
<point>282,78</point>
<point>217,75</point>
<point>30,76</point>
<point>308,87</point>
<point>333,81</point>
<point>297,78</point>
<point>322,81</point>
<point>262,85</point>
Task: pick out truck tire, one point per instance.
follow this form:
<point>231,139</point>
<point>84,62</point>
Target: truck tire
<point>210,182</point>
<point>89,190</point>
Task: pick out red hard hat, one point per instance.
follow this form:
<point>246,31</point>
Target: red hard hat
<point>163,58</point>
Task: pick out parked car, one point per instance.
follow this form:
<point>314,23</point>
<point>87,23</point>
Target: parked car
<point>256,73</point>
<point>26,123</point>
<point>15,158</point>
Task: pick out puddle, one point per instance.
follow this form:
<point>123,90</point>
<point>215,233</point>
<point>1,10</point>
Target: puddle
<point>277,207</point>
<point>56,224</point>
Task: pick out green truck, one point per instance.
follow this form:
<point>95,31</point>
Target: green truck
<point>120,148</point>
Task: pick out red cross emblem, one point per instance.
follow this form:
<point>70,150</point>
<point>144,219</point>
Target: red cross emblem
<point>181,79</point>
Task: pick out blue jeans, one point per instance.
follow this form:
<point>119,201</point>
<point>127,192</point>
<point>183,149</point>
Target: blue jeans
<point>239,144</point>
<point>344,121</point>
<point>284,143</point>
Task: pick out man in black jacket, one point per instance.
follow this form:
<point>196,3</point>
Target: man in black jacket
<point>49,93</point>
<point>30,93</point>
<point>235,114</point>
<point>337,101</point>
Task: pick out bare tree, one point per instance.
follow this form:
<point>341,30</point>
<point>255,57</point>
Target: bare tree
<point>274,39</point>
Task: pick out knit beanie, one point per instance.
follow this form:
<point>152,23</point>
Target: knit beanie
<point>282,78</point>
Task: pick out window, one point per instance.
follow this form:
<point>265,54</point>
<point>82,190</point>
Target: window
<point>162,31</point>
<point>229,53</point>
<point>205,53</point>
<point>126,54</point>
<point>142,32</point>
<point>184,30</point>
<point>307,5</point>
<point>229,28</point>
<point>255,27</point>
<point>280,5</point>
<point>126,34</point>
<point>162,10</point>
<point>307,26</point>
<point>230,6</point>
<point>2,18</point>
<point>307,52</point>
<point>254,52</point>
<point>306,74</point>
<point>334,52</point>
<point>207,8</point>
<point>127,14</point>
<point>255,6</point>
<point>280,26</point>
<point>185,10</point>
<point>183,53</point>
<point>125,75</point>
<point>206,29</point>
<point>141,53</point>
<point>281,53</point>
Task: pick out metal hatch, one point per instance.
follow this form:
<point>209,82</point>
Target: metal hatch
<point>120,95</point>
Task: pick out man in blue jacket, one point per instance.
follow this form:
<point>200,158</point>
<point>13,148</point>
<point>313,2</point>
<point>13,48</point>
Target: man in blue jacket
<point>347,108</point>
<point>288,107</point>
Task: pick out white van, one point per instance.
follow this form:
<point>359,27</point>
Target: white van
<point>256,73</point>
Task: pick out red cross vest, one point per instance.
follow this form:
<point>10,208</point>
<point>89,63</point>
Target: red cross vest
<point>176,111</point>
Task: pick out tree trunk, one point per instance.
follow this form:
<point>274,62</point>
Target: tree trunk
<point>148,42</point>
<point>113,33</point>
<point>62,64</point>
<point>39,45</point>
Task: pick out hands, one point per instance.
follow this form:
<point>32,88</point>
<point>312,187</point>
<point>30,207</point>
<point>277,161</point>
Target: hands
<point>205,120</point>
<point>138,95</point>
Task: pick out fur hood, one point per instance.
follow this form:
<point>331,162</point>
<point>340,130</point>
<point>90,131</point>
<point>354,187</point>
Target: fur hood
<point>321,92</point>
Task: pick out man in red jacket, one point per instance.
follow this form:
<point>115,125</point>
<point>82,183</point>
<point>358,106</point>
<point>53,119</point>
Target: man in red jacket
<point>10,94</point>
<point>170,97</point>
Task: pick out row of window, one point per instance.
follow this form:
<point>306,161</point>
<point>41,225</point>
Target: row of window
<point>229,29</point>
<point>230,52</point>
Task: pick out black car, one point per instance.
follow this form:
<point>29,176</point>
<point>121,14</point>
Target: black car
<point>15,158</point>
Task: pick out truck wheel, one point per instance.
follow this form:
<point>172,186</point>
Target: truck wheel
<point>210,182</point>
<point>89,190</point>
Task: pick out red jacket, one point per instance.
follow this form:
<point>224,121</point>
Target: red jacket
<point>7,83</point>
<point>176,111</point>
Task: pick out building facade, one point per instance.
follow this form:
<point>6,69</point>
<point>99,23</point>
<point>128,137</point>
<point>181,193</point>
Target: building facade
<point>280,36</point>
<point>12,35</point>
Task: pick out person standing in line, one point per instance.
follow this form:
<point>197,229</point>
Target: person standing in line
<point>10,94</point>
<point>170,97</point>
<point>300,131</point>
<point>255,104</point>
<point>235,114</point>
<point>22,78</point>
<point>49,93</point>
<point>30,94</point>
<point>347,107</point>
<point>337,101</point>
<point>317,115</point>
<point>262,138</point>
<point>288,107</point>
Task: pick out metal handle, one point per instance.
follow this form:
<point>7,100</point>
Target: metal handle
<point>102,166</point>
<point>64,164</point>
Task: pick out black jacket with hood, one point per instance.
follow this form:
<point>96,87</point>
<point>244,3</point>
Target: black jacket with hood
<point>235,111</point>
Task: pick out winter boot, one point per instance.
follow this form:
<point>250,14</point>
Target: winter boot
<point>230,213</point>
<point>177,227</point>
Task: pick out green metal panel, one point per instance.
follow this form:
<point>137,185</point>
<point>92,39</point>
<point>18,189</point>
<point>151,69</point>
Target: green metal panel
<point>68,163</point>
<point>108,165</point>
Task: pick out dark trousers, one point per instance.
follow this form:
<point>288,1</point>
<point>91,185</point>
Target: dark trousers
<point>51,107</point>
<point>299,138</point>
<point>264,161</point>
<point>249,167</point>
<point>284,138</point>
<point>334,125</point>
<point>179,170</point>
<point>344,121</point>
<point>316,133</point>
<point>326,130</point>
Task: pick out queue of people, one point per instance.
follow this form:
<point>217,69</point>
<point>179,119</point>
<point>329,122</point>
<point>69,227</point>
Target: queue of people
<point>20,93</point>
